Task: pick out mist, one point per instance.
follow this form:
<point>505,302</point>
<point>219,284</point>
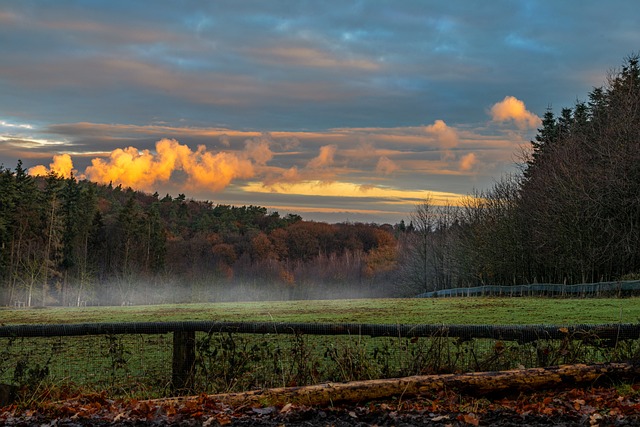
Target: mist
<point>163,290</point>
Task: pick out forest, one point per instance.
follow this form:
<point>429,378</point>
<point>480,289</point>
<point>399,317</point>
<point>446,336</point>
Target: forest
<point>72,242</point>
<point>571,215</point>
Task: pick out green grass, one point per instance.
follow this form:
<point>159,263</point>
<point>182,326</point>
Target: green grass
<point>139,365</point>
<point>393,311</point>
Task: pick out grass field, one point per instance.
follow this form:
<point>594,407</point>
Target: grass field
<point>392,311</point>
<point>139,365</point>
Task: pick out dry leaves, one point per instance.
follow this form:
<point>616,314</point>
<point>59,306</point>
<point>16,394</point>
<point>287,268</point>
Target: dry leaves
<point>593,406</point>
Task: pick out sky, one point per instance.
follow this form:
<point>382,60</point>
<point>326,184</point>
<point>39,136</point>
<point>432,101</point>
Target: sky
<point>334,110</point>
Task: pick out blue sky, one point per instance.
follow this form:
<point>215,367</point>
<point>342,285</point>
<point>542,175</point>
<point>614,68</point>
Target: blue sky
<point>336,110</point>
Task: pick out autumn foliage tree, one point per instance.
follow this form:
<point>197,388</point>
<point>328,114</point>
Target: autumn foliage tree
<point>66,241</point>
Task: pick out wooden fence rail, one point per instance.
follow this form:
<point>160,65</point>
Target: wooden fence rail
<point>184,342</point>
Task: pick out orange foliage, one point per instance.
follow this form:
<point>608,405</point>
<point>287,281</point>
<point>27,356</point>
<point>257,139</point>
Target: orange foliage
<point>261,248</point>
<point>380,260</point>
<point>287,277</point>
<point>225,253</point>
<point>278,239</point>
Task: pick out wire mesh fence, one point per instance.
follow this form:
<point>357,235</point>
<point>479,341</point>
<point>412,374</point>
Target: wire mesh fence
<point>146,360</point>
<point>619,288</point>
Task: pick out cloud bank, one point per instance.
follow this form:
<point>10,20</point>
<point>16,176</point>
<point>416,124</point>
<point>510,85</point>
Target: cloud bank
<point>386,166</point>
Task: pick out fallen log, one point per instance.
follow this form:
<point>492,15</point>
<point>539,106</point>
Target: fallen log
<point>476,383</point>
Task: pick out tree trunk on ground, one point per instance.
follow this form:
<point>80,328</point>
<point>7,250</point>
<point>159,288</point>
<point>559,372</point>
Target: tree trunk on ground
<point>477,383</point>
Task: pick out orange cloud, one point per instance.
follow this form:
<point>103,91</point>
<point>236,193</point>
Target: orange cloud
<point>259,149</point>
<point>445,135</point>
<point>62,166</point>
<point>511,108</point>
<point>468,162</point>
<point>128,166</point>
<point>325,157</point>
<point>204,169</point>
<point>383,195</point>
<point>215,171</point>
<point>386,166</point>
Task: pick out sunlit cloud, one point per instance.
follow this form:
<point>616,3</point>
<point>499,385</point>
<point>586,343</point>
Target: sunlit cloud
<point>374,155</point>
<point>445,135</point>
<point>259,149</point>
<point>334,210</point>
<point>351,190</point>
<point>62,166</point>
<point>27,141</point>
<point>513,109</point>
<point>386,166</point>
<point>324,159</point>
<point>15,125</point>
<point>468,162</point>
<point>143,169</point>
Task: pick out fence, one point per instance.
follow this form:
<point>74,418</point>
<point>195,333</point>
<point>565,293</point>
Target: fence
<point>146,360</point>
<point>629,287</point>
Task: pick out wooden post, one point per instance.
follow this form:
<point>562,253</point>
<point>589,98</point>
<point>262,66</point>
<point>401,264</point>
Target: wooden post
<point>184,357</point>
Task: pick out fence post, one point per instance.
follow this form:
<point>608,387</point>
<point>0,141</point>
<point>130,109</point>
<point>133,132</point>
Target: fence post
<point>184,357</point>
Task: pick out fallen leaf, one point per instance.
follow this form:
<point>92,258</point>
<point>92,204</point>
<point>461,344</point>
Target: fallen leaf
<point>223,419</point>
<point>209,421</point>
<point>471,419</point>
<point>440,418</point>
<point>286,408</point>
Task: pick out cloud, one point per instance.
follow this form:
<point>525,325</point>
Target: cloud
<point>341,189</point>
<point>312,58</point>
<point>468,162</point>
<point>511,108</point>
<point>386,166</point>
<point>215,172</point>
<point>324,159</point>
<point>445,135</point>
<point>130,167</point>
<point>143,169</point>
<point>62,166</point>
<point>225,140</point>
<point>259,148</point>
<point>6,124</point>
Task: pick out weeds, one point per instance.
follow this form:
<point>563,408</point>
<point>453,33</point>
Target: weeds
<point>225,360</point>
<point>117,355</point>
<point>140,366</point>
<point>300,367</point>
<point>350,361</point>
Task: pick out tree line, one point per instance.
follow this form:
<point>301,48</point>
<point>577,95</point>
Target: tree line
<point>65,241</point>
<point>571,216</point>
